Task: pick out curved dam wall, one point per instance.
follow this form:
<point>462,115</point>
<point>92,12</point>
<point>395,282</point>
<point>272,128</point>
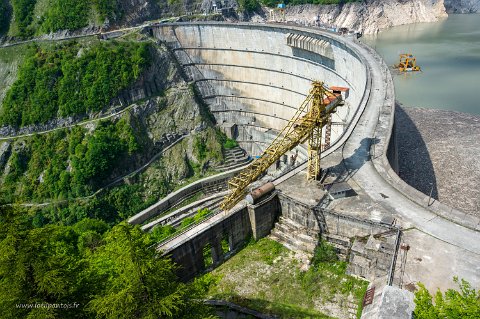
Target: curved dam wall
<point>256,76</point>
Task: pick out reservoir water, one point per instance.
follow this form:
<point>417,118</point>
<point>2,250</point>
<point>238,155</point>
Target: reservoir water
<point>448,52</point>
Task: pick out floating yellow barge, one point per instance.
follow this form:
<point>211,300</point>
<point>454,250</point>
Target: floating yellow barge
<point>408,63</point>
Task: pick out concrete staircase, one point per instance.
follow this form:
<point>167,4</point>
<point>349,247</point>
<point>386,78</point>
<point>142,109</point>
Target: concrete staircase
<point>234,157</point>
<point>294,236</point>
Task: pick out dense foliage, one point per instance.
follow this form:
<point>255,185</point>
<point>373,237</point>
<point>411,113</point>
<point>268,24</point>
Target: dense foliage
<point>230,143</point>
<point>67,163</point>
<point>23,12</point>
<point>4,17</point>
<point>59,14</point>
<point>464,303</point>
<point>107,9</point>
<point>248,5</point>
<point>68,80</point>
<point>74,14</point>
<point>65,14</point>
<point>93,271</point>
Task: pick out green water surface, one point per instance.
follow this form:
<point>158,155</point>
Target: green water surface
<point>449,55</point>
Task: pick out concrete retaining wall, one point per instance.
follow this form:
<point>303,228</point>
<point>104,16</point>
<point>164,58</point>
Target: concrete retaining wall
<point>326,221</point>
<point>188,249</point>
<point>189,255</point>
<point>368,246</point>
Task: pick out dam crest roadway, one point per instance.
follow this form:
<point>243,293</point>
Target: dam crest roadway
<point>254,76</point>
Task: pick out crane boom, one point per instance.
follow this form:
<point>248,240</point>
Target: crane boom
<point>308,121</point>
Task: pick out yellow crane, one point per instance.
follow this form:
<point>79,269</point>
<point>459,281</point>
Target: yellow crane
<point>307,123</point>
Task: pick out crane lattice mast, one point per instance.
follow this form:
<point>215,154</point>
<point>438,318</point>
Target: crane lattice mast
<point>307,123</point>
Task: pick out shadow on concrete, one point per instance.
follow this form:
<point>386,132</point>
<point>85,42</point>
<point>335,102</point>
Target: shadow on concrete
<point>347,168</point>
<point>320,59</point>
<point>414,162</point>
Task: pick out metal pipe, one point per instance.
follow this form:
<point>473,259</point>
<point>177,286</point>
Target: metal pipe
<point>258,193</point>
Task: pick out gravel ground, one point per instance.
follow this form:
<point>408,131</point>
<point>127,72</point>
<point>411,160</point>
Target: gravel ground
<point>440,150</point>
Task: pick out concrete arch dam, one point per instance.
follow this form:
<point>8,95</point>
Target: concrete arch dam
<point>256,76</point>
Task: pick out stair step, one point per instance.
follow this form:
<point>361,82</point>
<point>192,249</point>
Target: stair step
<point>340,240</point>
<point>304,240</point>
<point>278,240</point>
<point>291,243</point>
<point>294,236</point>
<point>227,168</point>
<point>292,225</point>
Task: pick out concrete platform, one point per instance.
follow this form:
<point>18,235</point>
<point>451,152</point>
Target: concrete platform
<point>435,262</point>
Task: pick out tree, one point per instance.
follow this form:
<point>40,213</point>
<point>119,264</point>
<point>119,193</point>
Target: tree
<point>4,17</point>
<point>137,282</point>
<point>108,273</point>
<point>38,266</point>
<point>464,303</point>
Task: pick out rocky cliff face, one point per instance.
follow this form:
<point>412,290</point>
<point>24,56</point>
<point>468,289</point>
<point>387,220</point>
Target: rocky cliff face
<point>368,16</point>
<point>462,6</point>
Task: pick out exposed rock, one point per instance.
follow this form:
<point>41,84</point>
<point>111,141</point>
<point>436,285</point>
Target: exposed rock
<point>368,16</point>
<point>5,149</point>
<point>8,74</point>
<point>20,149</point>
<point>176,112</point>
<point>462,6</point>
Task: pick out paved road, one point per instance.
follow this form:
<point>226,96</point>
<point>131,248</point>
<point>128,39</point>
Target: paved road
<point>356,154</point>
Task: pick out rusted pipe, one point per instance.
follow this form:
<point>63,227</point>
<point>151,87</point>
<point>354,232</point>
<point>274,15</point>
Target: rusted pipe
<point>255,196</point>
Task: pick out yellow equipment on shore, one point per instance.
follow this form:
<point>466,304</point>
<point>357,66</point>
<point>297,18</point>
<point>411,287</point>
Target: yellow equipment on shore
<point>408,63</point>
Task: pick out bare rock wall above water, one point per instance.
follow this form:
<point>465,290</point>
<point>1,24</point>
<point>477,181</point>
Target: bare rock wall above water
<point>462,6</point>
<point>369,16</point>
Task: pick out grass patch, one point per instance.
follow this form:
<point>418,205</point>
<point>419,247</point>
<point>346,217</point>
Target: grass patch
<point>160,233</point>
<point>265,276</point>
<point>230,143</point>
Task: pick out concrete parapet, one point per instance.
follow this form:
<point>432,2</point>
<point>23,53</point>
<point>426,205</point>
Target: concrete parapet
<point>369,246</point>
<point>174,198</point>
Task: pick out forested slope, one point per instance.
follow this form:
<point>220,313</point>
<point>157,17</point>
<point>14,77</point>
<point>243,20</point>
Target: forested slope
<point>25,18</point>
<point>65,251</point>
